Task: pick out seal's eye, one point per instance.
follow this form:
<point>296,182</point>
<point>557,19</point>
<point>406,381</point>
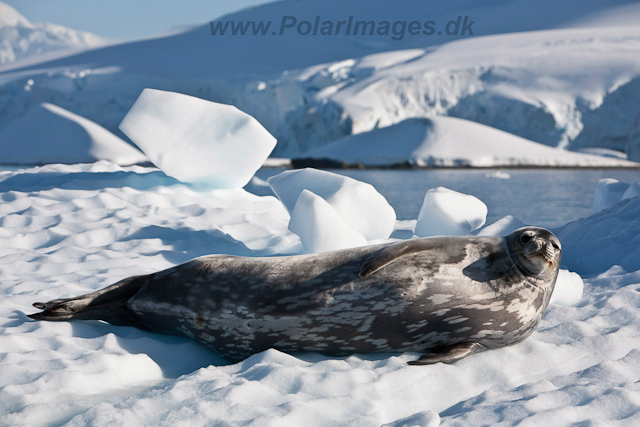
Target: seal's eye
<point>525,238</point>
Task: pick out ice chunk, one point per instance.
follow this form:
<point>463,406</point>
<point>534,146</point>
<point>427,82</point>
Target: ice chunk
<point>50,134</point>
<point>499,174</point>
<point>404,229</point>
<point>198,141</point>
<point>631,192</point>
<point>447,212</point>
<point>320,226</point>
<point>568,290</point>
<point>502,227</point>
<point>358,203</point>
<point>608,192</point>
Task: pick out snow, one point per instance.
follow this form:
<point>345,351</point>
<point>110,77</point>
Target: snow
<point>359,204</point>
<point>568,290</point>
<point>450,213</point>
<point>51,134</point>
<point>631,192</point>
<point>246,55</point>
<point>9,17</point>
<point>449,141</point>
<point>20,38</point>
<point>605,152</point>
<point>619,15</point>
<point>568,87</point>
<point>198,141</point>
<point>502,227</point>
<point>320,226</point>
<point>69,229</point>
<point>616,229</point>
<point>421,419</point>
<point>610,191</point>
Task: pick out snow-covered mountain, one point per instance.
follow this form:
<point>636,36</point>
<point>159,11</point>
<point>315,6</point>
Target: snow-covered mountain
<point>20,38</point>
<point>559,87</point>
<point>570,88</point>
<point>196,53</point>
<point>449,141</point>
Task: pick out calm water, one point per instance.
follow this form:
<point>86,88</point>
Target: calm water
<point>549,198</point>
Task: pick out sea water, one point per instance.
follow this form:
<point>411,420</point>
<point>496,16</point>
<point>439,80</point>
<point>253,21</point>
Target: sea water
<point>544,197</point>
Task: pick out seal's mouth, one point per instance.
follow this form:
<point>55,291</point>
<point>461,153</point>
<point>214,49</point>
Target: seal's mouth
<point>547,252</point>
<point>549,261</point>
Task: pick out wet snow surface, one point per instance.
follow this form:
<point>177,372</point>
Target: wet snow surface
<point>67,230</point>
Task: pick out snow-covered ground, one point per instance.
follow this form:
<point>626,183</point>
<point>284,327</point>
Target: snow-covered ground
<point>66,230</point>
<point>20,38</point>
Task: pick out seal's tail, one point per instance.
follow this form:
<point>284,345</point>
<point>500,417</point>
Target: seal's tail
<point>107,304</point>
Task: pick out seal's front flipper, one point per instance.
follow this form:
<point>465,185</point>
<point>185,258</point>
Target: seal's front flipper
<point>107,304</point>
<point>450,354</point>
<point>391,253</point>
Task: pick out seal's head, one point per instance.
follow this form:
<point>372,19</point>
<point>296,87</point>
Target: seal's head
<point>536,251</point>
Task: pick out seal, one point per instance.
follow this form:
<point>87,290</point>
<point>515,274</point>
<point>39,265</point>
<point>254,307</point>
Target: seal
<point>448,297</point>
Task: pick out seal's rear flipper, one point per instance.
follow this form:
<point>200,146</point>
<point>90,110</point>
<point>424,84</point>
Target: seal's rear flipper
<point>450,354</point>
<point>106,304</point>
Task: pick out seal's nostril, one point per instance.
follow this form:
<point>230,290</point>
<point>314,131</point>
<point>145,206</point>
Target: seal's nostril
<point>549,252</point>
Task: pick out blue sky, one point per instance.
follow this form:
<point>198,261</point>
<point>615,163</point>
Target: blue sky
<point>127,19</point>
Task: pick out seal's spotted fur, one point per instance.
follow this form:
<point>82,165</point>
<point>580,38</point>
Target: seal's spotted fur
<point>447,296</point>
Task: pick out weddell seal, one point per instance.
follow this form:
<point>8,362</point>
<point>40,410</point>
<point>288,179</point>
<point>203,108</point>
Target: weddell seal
<point>448,297</point>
